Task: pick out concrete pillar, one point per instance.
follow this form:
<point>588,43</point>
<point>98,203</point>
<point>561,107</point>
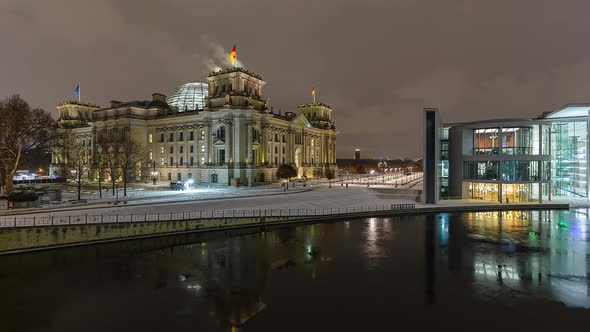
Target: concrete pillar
<point>430,192</point>
<point>540,165</point>
<point>500,152</point>
<point>587,157</point>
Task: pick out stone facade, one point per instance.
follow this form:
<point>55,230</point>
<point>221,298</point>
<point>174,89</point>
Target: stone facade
<point>237,139</point>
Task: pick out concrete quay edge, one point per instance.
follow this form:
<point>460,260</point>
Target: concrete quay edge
<point>301,220</point>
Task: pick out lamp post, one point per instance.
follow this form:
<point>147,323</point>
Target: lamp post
<point>154,177</point>
<point>154,173</point>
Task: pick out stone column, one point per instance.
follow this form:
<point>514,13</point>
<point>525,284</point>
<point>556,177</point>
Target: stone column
<point>228,142</point>
<point>207,143</point>
<point>251,160</point>
<point>303,148</point>
<point>291,146</point>
<point>263,141</point>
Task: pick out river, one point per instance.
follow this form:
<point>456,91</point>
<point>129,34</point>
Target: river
<point>487,271</point>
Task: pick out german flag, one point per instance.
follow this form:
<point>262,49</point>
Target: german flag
<point>232,55</point>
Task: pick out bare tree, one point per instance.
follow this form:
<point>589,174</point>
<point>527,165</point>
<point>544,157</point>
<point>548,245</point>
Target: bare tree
<point>71,155</point>
<point>22,131</point>
<point>77,161</point>
<point>99,164</point>
<point>131,156</point>
<point>111,162</point>
<point>330,175</point>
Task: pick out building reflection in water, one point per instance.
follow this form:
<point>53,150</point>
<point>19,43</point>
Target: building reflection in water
<point>232,273</point>
<point>544,252</point>
<point>377,231</point>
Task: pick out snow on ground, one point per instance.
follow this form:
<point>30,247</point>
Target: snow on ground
<point>321,197</point>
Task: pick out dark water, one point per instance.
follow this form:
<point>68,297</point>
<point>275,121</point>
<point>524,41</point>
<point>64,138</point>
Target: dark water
<point>480,271</point>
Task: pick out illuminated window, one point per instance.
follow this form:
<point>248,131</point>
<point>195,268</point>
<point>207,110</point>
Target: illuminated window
<point>202,134</point>
<point>162,161</point>
<point>150,138</point>
<point>151,155</point>
<point>162,150</point>
<point>203,148</point>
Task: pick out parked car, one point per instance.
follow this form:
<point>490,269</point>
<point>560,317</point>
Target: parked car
<point>176,185</point>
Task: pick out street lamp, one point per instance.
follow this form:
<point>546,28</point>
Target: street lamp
<point>154,177</point>
<point>154,173</point>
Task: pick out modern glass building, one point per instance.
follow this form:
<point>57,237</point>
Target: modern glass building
<point>517,160</point>
<point>189,97</point>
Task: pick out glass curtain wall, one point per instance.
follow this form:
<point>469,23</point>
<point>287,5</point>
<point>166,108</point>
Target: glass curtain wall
<point>485,141</point>
<point>520,192</point>
<point>517,170</point>
<point>518,141</point>
<point>483,191</point>
<point>569,159</point>
<point>480,170</point>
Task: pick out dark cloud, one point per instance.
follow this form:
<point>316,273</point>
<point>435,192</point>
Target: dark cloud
<point>376,62</point>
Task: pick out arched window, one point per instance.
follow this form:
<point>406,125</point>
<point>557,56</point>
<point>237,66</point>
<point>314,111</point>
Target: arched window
<point>221,132</point>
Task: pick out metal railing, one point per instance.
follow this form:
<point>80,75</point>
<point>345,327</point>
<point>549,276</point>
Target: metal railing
<point>42,221</point>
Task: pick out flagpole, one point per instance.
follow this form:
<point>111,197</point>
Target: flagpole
<point>79,92</point>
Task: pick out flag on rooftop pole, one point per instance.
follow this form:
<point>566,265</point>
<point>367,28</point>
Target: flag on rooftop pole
<point>232,55</point>
<point>313,94</point>
<point>77,91</point>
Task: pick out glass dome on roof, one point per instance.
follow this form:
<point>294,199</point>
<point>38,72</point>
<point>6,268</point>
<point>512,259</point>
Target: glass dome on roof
<point>189,96</point>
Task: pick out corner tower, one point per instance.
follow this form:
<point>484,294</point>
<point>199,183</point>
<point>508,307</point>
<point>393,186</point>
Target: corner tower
<point>235,88</point>
<point>319,115</point>
<point>75,113</point>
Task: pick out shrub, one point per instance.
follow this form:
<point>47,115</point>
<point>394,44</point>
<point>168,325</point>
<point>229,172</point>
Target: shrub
<point>23,196</point>
<point>286,172</point>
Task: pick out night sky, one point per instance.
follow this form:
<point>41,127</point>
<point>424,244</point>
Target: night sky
<point>378,63</point>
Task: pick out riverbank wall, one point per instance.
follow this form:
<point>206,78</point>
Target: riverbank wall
<point>30,238</point>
